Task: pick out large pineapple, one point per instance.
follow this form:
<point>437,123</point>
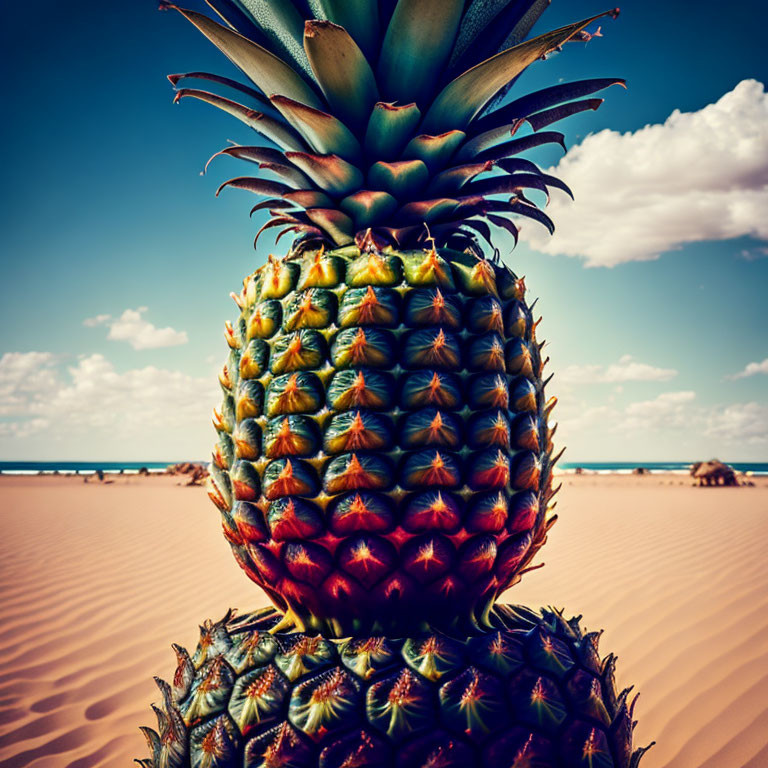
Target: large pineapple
<point>531,692</point>
<point>384,459</point>
<point>384,463</point>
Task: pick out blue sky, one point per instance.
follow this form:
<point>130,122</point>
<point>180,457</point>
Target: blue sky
<point>652,292</point>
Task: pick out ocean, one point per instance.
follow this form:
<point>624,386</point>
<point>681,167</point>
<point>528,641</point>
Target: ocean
<point>566,467</point>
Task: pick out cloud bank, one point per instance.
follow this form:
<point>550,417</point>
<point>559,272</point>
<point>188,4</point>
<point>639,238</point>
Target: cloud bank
<point>698,176</point>
<point>675,419</point>
<point>752,369</point>
<point>137,331</point>
<point>92,409</point>
<point>627,369</point>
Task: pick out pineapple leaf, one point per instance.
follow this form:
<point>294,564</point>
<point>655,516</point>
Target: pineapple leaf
<point>399,178</point>
<point>521,21</point>
<point>235,18</point>
<point>516,164</point>
<point>256,185</point>
<point>275,203</point>
<point>389,128</point>
<point>547,97</point>
<point>337,224</point>
<point>276,130</point>
<point>367,207</point>
<point>532,212</point>
<point>434,150</point>
<point>427,211</point>
<point>226,81</point>
<point>308,198</point>
<point>284,27</point>
<point>476,145</point>
<point>329,172</point>
<point>455,178</point>
<point>463,98</point>
<point>279,221</point>
<point>359,17</point>
<point>504,223</point>
<point>474,23</point>
<point>487,24</point>
<point>326,134</point>
<point>416,47</point>
<point>479,226</point>
<point>548,116</point>
<point>341,71</point>
<point>251,154</point>
<point>511,184</point>
<point>522,144</point>
<point>270,73</point>
<point>268,159</point>
<point>521,28</point>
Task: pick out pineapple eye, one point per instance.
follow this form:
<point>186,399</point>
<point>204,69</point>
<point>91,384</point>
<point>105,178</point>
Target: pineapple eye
<point>369,347</point>
<point>433,307</point>
<point>369,306</point>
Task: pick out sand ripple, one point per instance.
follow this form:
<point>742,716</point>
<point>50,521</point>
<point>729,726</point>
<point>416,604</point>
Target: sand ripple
<point>97,581</point>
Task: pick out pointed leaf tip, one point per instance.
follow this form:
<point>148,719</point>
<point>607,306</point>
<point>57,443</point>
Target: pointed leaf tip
<point>268,71</point>
<point>465,96</point>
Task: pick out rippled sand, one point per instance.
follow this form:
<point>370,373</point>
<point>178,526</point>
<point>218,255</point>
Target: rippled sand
<point>96,581</point>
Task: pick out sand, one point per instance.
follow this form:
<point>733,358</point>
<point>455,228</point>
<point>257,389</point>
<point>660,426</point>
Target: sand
<point>96,581</point>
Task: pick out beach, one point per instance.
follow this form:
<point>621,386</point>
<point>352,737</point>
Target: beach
<point>98,578</point>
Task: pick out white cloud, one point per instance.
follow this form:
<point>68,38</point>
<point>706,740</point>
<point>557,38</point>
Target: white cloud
<point>94,409</point>
<point>24,375</point>
<point>740,422</point>
<point>698,176</point>
<point>752,369</point>
<point>137,331</point>
<point>93,322</point>
<point>670,423</point>
<point>627,369</point>
<point>669,409</point>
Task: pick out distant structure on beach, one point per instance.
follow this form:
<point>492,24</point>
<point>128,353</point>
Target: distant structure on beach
<point>713,472</point>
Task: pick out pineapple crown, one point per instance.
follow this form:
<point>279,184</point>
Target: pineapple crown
<point>379,117</point>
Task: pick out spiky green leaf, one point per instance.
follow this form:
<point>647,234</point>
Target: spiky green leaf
<point>283,26</point>
<point>341,70</point>
<point>462,99</point>
<point>267,159</point>
<point>435,151</point>
<point>330,172</point>
<point>359,17</point>
<point>275,130</point>
<point>416,47</point>
<point>398,178</point>
<point>337,224</point>
<point>368,207</point>
<point>270,73</point>
<point>389,129</point>
<point>326,134</point>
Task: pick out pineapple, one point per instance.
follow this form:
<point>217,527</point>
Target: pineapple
<point>384,458</point>
<point>531,692</point>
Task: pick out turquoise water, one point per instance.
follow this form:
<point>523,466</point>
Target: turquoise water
<point>34,467</point>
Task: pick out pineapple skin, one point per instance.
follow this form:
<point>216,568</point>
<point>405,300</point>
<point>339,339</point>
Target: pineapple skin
<point>383,458</point>
<point>530,693</point>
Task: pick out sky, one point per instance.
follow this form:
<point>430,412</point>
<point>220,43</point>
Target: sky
<point>117,261</point>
